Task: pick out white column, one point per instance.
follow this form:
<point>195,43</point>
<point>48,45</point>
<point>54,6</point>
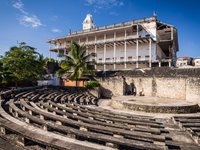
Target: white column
<point>137,47</point>
<point>137,54</point>
<point>150,53</point>
<point>104,54</point>
<point>65,53</point>
<point>87,45</point>
<point>169,63</point>
<point>172,37</point>
<point>65,44</point>
<point>125,59</point>
<point>95,50</point>
<point>79,41</point>
<point>159,64</point>
<point>114,50</point>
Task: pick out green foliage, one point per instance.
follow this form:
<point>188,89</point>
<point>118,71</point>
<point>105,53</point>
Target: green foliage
<point>92,84</point>
<point>77,63</point>
<point>23,63</point>
<point>51,60</point>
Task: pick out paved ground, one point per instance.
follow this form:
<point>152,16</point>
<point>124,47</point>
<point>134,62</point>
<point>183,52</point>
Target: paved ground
<point>116,107</point>
<point>156,101</point>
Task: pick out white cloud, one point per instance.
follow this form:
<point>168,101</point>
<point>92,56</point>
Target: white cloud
<point>26,19</point>
<point>55,30</point>
<point>18,4</point>
<point>100,4</point>
<point>90,2</point>
<point>30,21</point>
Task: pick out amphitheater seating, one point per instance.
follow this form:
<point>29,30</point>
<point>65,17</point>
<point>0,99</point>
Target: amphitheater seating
<point>54,118</point>
<point>191,124</point>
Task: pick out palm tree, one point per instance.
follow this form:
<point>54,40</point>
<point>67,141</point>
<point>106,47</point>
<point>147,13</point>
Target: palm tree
<point>77,63</point>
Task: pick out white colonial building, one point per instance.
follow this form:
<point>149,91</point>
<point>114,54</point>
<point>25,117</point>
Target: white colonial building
<point>184,61</point>
<point>197,62</point>
<point>127,45</point>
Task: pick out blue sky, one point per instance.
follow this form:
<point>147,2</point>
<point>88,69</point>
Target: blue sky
<point>36,21</point>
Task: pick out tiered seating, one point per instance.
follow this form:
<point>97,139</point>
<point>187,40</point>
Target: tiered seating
<point>191,124</point>
<point>59,119</point>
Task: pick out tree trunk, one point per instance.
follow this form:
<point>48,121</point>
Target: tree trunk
<point>16,84</point>
<point>76,84</point>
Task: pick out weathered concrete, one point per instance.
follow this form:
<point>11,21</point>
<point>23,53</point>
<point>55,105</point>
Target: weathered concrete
<point>177,87</point>
<point>153,104</point>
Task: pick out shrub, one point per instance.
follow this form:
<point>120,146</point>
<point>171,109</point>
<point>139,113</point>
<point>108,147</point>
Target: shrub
<point>92,84</point>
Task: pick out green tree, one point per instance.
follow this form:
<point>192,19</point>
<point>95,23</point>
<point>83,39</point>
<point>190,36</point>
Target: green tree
<point>77,63</point>
<point>24,63</point>
<point>5,75</point>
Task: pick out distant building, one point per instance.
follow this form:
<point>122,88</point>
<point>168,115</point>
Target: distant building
<point>196,62</point>
<point>184,61</point>
<point>127,45</point>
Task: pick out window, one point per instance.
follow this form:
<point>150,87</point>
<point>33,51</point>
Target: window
<point>130,57</point>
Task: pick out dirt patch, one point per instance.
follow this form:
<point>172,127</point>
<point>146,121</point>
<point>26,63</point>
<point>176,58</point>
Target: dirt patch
<point>115,105</point>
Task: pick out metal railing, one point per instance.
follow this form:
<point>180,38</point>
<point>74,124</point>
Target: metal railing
<point>122,60</point>
<point>113,25</point>
<point>100,41</point>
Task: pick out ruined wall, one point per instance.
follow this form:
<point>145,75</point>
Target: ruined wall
<point>174,85</point>
<point>111,86</point>
<point>193,90</point>
<point>171,87</point>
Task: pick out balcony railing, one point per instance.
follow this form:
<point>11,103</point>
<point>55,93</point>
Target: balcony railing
<point>122,60</point>
<point>113,25</point>
<point>57,47</point>
<point>100,41</point>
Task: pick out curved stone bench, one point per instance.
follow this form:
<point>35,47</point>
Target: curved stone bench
<point>162,108</point>
<point>134,121</point>
<point>99,128</point>
<point>81,133</point>
<point>89,126</point>
<point>41,137</point>
<point>108,114</point>
<point>88,119</point>
<point>191,124</point>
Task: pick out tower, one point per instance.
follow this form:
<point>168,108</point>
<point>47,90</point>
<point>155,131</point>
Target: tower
<point>88,23</point>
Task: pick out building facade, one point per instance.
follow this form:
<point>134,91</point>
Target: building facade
<point>196,62</point>
<point>128,45</point>
<point>184,61</point>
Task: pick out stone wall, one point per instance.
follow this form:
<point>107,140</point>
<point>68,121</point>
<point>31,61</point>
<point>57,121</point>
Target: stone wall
<point>193,90</point>
<point>172,85</point>
<point>111,86</point>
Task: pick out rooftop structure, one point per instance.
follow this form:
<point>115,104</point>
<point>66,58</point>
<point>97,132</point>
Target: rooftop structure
<point>88,23</point>
<point>127,45</point>
<point>197,62</point>
<point>184,61</point>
